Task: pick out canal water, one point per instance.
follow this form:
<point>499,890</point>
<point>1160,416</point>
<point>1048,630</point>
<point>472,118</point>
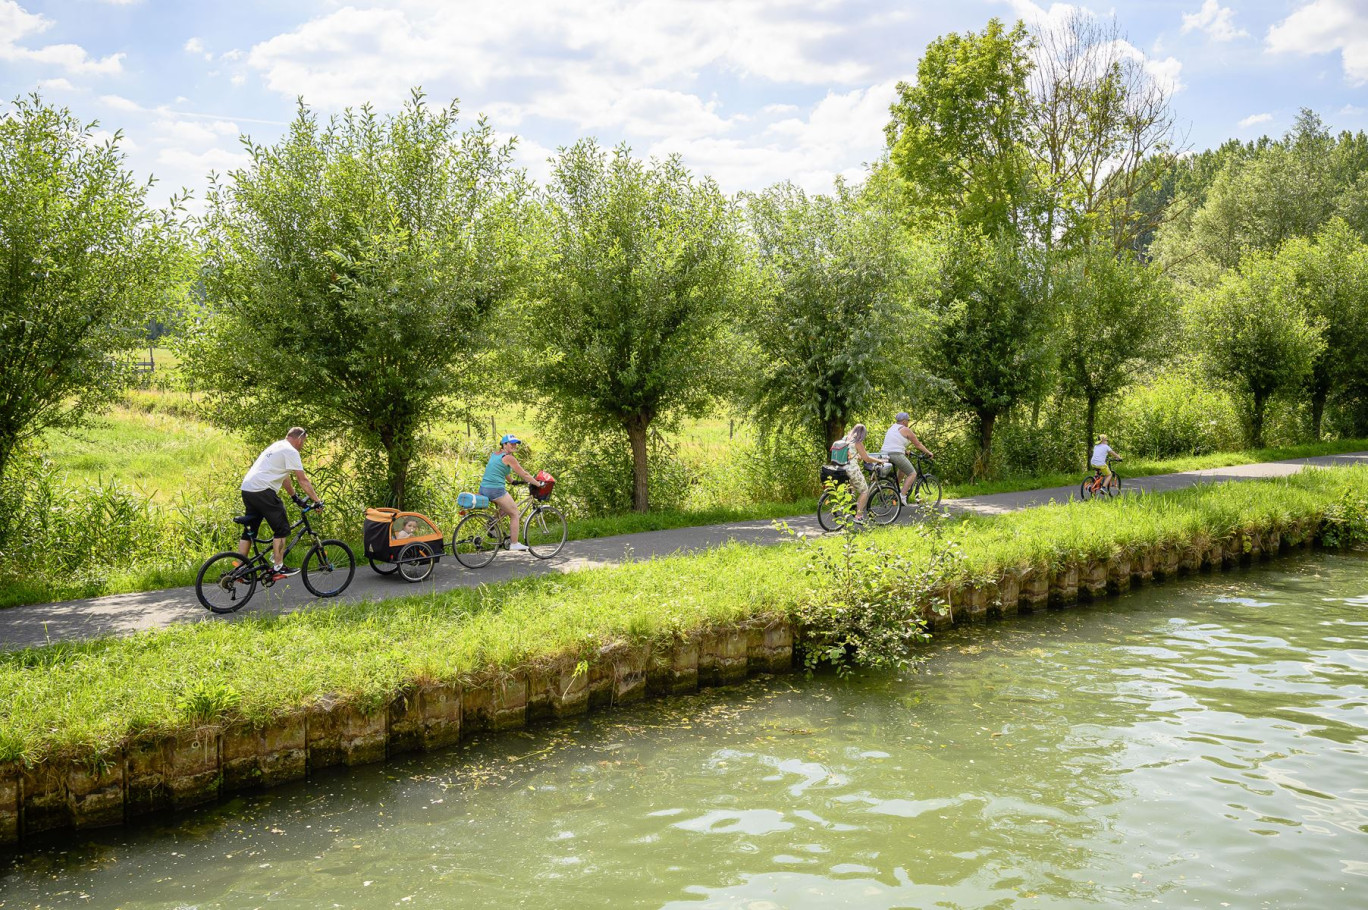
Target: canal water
<point>1201,744</point>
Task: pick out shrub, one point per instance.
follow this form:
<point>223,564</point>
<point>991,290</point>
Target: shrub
<point>1172,415</point>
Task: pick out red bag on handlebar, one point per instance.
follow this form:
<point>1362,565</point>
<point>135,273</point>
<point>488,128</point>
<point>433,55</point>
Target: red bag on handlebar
<point>547,482</point>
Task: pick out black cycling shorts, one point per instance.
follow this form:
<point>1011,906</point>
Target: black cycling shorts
<point>265,504</point>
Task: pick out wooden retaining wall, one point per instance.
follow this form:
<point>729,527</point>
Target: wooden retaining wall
<point>198,766</point>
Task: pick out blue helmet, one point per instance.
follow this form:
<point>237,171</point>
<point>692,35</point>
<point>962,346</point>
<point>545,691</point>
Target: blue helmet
<point>509,437</point>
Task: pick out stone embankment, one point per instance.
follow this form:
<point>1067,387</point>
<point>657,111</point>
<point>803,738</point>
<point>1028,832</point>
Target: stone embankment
<point>198,766</point>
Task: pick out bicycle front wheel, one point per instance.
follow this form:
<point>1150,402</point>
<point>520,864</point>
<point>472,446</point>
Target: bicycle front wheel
<point>544,533</point>
<point>476,540</point>
<point>1114,485</point>
<point>225,582</point>
<point>926,492</point>
<point>328,568</point>
<point>884,504</point>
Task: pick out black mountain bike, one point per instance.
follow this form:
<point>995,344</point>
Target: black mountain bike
<point>228,580</point>
<point>925,494</point>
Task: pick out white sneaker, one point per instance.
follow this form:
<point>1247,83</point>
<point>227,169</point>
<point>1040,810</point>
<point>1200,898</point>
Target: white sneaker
<point>517,548</point>
<point>903,499</point>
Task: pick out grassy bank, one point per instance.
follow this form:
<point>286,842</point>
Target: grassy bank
<point>87,698</point>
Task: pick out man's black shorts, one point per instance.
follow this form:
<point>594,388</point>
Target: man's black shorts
<point>265,504</point>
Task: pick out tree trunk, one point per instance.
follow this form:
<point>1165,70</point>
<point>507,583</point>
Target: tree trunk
<point>1317,413</point>
<point>1090,425</point>
<point>1256,421</point>
<point>983,462</point>
<point>637,428</point>
<point>398,457</point>
<point>835,429</point>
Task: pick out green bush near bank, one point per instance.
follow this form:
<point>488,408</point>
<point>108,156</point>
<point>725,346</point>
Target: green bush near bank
<point>86,698</point>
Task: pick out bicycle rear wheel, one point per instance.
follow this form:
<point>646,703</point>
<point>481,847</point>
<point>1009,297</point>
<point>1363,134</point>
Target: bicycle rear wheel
<point>225,582</point>
<point>884,503</point>
<point>476,540</point>
<point>832,513</point>
<point>1085,491</point>
<point>545,532</point>
<point>328,568</point>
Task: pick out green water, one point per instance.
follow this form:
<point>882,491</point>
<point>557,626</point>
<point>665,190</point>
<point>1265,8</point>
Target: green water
<point>1196,745</point>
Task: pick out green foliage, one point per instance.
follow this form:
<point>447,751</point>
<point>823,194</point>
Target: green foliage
<point>352,271</point>
<point>1346,521</point>
<point>87,266</point>
<point>1256,336</point>
<point>1174,413</point>
<point>832,324</point>
<point>637,274</point>
<point>990,333</point>
<point>863,599</point>
<point>958,133</point>
<point>1116,319</point>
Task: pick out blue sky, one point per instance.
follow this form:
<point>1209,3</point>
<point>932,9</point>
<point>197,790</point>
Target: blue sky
<point>747,91</point>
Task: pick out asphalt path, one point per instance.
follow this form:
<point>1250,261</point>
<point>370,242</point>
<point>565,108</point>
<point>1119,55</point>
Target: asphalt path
<point>124,614</point>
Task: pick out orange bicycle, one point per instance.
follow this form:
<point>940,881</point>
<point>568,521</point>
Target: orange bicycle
<point>1101,484</point>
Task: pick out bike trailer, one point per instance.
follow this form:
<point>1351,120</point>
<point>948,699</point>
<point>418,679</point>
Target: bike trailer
<point>387,531</point>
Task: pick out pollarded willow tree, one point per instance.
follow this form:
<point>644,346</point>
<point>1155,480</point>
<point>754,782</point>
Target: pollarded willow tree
<point>836,309</point>
<point>1256,336</point>
<point>637,272</point>
<point>1116,320</point>
<point>352,270</point>
<point>85,265</point>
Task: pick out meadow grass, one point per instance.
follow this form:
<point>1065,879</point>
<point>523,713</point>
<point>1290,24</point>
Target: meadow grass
<point>86,698</point>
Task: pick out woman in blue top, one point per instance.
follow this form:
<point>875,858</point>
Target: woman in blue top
<point>493,483</point>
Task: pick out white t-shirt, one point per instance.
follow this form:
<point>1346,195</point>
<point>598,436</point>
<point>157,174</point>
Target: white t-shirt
<point>894,440</point>
<point>1099,455</point>
<point>271,468</point>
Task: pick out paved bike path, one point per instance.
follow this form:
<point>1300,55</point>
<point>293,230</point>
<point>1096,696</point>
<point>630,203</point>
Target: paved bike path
<point>124,614</point>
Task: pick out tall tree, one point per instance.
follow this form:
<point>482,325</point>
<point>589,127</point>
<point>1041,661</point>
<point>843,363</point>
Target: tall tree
<point>352,269</point>
<point>832,323</point>
<point>638,267</point>
<point>85,265</point>
<point>1116,320</point>
<point>957,135</point>
<point>1256,336</point>
<point>1331,273</point>
<point>990,336</point>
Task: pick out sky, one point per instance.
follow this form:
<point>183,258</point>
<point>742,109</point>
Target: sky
<point>748,92</point>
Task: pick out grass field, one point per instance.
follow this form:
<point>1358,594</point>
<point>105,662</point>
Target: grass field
<point>86,698</point>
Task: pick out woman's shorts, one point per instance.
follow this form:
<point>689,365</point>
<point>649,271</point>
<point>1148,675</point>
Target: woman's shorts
<point>493,493</point>
<point>901,462</point>
<point>858,487</point>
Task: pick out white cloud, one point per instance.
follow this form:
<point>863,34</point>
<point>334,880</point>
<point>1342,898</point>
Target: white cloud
<point>19,25</point>
<point>1254,120</point>
<point>1166,72</point>
<point>55,85</point>
<point>196,46</point>
<point>1216,20</point>
<point>120,103</point>
<point>1324,26</point>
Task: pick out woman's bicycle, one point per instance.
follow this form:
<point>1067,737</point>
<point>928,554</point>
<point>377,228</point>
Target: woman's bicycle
<point>228,580</point>
<point>836,507</point>
<point>484,530</point>
<point>1100,484</point>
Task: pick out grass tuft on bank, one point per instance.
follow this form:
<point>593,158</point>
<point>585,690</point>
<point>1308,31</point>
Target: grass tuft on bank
<point>84,699</point>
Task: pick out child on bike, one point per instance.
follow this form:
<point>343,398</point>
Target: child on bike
<point>1100,453</point>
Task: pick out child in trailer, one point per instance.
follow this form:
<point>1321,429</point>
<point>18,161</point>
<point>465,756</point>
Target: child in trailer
<point>409,529</point>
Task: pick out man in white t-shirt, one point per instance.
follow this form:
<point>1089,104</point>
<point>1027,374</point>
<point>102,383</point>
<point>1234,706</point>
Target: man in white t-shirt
<point>895,450</point>
<point>260,494</point>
